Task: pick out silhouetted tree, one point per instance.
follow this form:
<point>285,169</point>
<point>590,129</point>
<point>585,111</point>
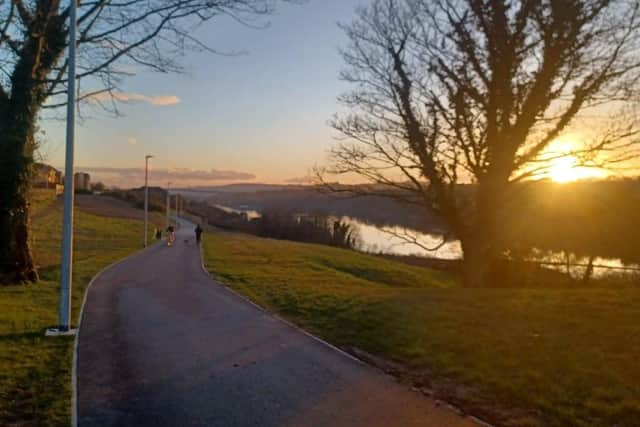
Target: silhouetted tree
<point>476,91</point>
<point>115,39</point>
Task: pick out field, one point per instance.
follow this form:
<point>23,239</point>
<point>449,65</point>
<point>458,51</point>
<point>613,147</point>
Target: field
<point>35,372</point>
<point>515,357</point>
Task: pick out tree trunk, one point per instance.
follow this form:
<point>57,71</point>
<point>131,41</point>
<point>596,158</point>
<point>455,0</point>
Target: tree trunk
<point>16,261</point>
<point>482,238</point>
<point>40,52</point>
<point>476,263</point>
<point>16,159</point>
<point>588,273</point>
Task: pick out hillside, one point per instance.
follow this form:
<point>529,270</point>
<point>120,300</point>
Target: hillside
<point>585,219</point>
<point>514,357</point>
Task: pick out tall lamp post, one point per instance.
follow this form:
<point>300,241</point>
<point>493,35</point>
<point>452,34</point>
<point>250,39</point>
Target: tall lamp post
<point>168,203</point>
<point>146,195</point>
<point>177,208</point>
<point>67,217</point>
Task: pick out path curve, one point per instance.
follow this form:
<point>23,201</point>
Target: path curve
<point>162,344</point>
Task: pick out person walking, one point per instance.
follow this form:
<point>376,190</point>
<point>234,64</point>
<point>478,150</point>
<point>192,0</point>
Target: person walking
<point>198,232</point>
<point>170,235</point>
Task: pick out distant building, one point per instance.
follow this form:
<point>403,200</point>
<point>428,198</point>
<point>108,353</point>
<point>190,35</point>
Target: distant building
<point>82,181</point>
<point>46,176</point>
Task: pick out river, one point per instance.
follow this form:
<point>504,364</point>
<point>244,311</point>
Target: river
<point>388,240</point>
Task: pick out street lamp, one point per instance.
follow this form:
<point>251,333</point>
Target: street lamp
<point>177,208</point>
<point>146,195</point>
<point>67,216</point>
<point>168,203</point>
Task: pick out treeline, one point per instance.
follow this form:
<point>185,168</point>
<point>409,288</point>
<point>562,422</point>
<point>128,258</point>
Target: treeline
<point>311,228</point>
<point>587,219</point>
<point>314,228</point>
<point>372,209</point>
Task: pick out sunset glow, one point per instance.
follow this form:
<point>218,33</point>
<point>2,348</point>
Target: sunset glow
<point>566,169</point>
<point>563,163</point>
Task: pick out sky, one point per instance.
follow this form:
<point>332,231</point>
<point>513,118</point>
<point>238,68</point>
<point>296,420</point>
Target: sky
<point>259,116</point>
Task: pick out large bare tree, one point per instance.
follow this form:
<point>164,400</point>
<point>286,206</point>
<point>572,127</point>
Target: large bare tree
<point>116,38</point>
<point>446,92</point>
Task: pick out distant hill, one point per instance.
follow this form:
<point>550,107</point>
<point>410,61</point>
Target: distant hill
<point>310,199</point>
<point>236,188</point>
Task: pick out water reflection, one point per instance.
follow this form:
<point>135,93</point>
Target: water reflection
<point>242,210</point>
<point>387,240</point>
<point>576,266</point>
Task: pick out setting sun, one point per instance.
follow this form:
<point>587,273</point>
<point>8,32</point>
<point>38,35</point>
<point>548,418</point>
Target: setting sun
<point>566,169</point>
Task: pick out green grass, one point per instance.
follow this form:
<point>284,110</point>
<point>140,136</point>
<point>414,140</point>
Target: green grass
<point>40,199</point>
<point>35,372</point>
<point>566,357</point>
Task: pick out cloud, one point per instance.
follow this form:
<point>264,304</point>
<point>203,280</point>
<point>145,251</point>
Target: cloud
<point>134,177</point>
<point>302,180</point>
<point>164,100</point>
<point>160,100</point>
<point>132,141</point>
<point>124,97</point>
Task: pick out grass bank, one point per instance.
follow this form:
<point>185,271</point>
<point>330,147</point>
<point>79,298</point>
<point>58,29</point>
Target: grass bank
<point>518,357</point>
<point>35,372</point>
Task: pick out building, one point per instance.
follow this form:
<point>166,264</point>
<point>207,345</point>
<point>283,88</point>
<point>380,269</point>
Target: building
<point>82,181</point>
<point>45,176</point>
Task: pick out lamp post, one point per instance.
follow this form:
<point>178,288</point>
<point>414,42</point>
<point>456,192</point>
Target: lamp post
<point>67,218</point>
<point>177,208</point>
<point>146,195</point>
<point>168,203</point>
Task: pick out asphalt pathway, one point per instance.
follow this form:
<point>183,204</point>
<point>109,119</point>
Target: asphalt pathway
<point>162,344</point>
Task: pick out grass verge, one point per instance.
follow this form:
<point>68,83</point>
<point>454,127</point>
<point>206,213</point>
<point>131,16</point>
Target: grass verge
<point>517,357</point>
<point>35,372</point>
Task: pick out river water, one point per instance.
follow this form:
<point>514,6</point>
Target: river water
<point>397,240</point>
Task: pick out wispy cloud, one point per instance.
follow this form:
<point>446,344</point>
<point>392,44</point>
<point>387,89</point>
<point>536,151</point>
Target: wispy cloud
<point>159,100</point>
<point>134,177</point>
<point>164,100</point>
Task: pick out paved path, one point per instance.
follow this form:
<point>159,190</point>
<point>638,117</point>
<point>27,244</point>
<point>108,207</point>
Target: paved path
<point>162,344</point>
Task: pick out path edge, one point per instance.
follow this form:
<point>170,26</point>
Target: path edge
<point>274,315</point>
<point>74,363</point>
<point>453,408</point>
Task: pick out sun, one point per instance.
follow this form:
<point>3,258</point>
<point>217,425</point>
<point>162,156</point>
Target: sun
<point>567,169</point>
<point>561,170</point>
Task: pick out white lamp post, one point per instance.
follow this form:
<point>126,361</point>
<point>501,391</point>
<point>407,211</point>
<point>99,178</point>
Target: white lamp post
<point>177,208</point>
<point>146,195</point>
<point>67,216</point>
<point>168,203</point>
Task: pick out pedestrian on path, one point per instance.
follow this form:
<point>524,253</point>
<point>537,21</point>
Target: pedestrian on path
<point>170,235</point>
<point>198,232</point>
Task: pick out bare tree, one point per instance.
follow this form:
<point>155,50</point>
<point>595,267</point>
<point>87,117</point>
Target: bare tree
<point>476,91</point>
<point>116,38</point>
